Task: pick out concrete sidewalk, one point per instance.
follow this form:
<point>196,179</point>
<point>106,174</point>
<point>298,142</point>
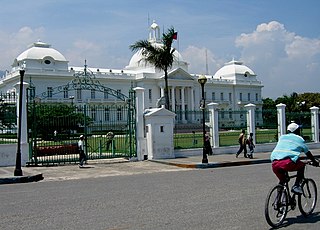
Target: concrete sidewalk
<point>111,167</point>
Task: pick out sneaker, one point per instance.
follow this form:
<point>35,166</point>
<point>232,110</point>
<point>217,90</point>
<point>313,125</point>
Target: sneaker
<point>237,155</point>
<point>296,189</point>
<point>80,166</point>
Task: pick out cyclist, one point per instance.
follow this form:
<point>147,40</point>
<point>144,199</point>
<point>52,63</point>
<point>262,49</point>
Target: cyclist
<point>285,156</point>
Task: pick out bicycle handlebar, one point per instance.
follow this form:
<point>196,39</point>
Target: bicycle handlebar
<point>310,162</point>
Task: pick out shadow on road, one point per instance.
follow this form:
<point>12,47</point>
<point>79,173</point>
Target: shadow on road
<point>313,218</point>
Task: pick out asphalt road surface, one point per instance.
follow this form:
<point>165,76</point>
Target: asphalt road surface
<point>220,198</point>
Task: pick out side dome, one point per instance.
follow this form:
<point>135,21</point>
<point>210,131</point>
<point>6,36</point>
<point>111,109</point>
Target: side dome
<point>41,50</point>
<point>233,68</point>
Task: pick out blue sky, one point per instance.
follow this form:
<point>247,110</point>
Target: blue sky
<point>278,39</point>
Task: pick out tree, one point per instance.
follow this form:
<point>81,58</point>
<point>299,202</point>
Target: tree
<point>160,56</point>
<point>60,117</point>
<point>8,117</point>
<point>289,101</point>
<point>269,113</point>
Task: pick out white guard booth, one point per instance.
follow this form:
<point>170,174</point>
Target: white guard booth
<point>159,124</point>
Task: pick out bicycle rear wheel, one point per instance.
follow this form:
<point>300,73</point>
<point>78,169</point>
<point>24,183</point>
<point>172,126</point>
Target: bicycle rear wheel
<point>308,200</point>
<point>276,206</point>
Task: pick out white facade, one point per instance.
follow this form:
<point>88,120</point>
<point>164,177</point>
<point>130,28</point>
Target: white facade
<point>232,87</point>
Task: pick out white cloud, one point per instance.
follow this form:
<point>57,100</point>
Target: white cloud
<point>303,48</point>
<point>196,57</point>
<point>285,62</point>
<point>12,44</point>
<point>82,49</point>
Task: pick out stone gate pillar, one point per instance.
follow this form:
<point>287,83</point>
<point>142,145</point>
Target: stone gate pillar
<point>281,115</point>
<point>251,123</point>
<point>159,124</point>
<point>140,134</point>
<point>315,123</point>
<point>214,124</point>
<point>24,125</point>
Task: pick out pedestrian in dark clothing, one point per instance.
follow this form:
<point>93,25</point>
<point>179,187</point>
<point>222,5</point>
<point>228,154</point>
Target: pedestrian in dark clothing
<point>243,144</point>
<point>82,155</point>
<point>207,144</point>
<point>110,136</point>
<point>250,145</point>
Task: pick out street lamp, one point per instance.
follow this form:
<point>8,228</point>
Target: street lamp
<point>18,170</point>
<point>202,80</point>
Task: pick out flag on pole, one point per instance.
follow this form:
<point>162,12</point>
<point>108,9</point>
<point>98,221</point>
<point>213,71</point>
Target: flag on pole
<point>175,36</point>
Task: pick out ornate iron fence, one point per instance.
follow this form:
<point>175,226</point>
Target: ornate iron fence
<point>189,134</point>
<point>8,118</point>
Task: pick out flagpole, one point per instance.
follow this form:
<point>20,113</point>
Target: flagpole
<point>178,40</point>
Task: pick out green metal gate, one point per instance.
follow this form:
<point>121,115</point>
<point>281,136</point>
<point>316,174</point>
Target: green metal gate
<point>54,126</point>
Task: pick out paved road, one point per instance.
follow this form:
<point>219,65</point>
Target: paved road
<point>217,198</point>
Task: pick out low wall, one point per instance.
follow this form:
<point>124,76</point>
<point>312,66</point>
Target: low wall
<point>268,147</point>
<point>8,154</point>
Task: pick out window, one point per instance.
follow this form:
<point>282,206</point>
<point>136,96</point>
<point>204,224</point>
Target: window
<point>230,96</point>
<point>65,92</point>
<point>47,62</point>
<point>213,96</point>
<point>249,97</point>
<point>150,95</point>
<point>93,94</point>
<point>257,97</point>
<point>221,97</point>
<point>79,94</point>
<point>32,92</point>
<point>222,113</point>
<point>105,94</point>
<point>118,92</point>
<point>49,92</point>
<point>161,129</point>
<point>106,114</point>
<point>119,115</point>
<point>240,96</point>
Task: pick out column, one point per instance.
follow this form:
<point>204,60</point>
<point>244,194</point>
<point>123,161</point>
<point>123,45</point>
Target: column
<point>161,92</point>
<point>173,99</point>
<point>183,105</point>
<point>214,124</point>
<point>192,104</point>
<point>315,123</point>
<point>281,114</point>
<point>141,143</point>
<point>251,123</point>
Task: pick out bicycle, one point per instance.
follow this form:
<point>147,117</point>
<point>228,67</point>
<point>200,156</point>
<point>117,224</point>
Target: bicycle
<point>280,201</point>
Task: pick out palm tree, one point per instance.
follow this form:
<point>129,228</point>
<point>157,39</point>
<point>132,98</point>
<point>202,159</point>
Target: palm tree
<point>160,56</point>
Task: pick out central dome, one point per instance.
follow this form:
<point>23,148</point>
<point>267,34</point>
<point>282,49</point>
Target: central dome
<point>138,59</point>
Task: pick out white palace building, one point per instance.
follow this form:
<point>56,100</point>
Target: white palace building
<point>231,87</point>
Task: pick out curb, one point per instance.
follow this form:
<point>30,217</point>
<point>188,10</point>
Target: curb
<point>214,164</point>
<point>21,179</point>
<point>221,164</point>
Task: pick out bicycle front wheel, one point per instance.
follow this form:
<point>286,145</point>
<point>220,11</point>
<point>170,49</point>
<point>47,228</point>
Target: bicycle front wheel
<point>308,200</point>
<point>276,206</point>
